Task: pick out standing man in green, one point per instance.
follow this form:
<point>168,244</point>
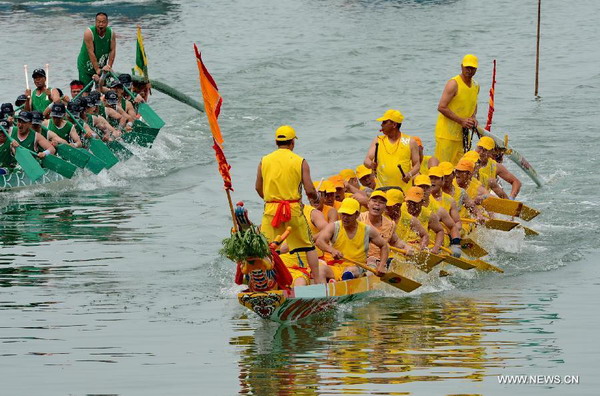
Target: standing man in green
<point>97,51</point>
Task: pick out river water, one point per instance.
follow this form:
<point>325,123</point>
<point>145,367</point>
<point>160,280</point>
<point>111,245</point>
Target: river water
<point>113,285</point>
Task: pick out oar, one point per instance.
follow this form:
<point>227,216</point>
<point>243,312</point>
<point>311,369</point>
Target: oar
<point>426,261</point>
<point>71,154</point>
<point>47,74</point>
<point>26,76</point>
<point>509,207</point>
<point>391,278</point>
<point>467,264</point>
<point>494,224</point>
<point>83,90</point>
<point>58,165</point>
<point>98,147</point>
<point>30,166</point>
<point>472,248</point>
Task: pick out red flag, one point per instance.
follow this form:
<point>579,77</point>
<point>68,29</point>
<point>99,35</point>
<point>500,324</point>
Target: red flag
<point>224,166</point>
<point>212,99</point>
<point>488,125</point>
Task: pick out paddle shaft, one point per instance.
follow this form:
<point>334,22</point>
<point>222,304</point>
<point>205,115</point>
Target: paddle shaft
<point>83,90</point>
<point>26,76</point>
<point>361,265</point>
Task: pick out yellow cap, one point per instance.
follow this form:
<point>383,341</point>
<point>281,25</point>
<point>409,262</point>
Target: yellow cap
<point>465,164</point>
<point>446,167</point>
<point>378,193</point>
<point>471,156</point>
<point>337,181</point>
<point>327,187</point>
<point>393,115</point>
<point>349,206</point>
<point>394,197</point>
<point>418,140</point>
<point>414,194</point>
<point>347,174</point>
<point>436,171</point>
<point>285,132</point>
<point>421,180</point>
<point>487,143</point>
<point>470,60</point>
<point>362,171</point>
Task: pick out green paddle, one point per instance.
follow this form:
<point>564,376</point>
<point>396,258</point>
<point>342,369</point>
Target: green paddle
<point>94,164</point>
<point>98,147</point>
<point>30,166</point>
<point>59,165</point>
<point>72,155</point>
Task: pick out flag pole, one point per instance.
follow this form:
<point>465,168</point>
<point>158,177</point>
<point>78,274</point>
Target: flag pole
<point>491,104</point>
<point>537,52</point>
<point>235,228</point>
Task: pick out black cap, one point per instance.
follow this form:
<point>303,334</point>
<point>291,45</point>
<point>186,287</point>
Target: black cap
<point>111,97</point>
<point>21,99</point>
<point>4,124</point>
<point>24,116</point>
<point>115,83</point>
<point>37,118</point>
<point>89,101</point>
<point>74,107</point>
<point>38,73</point>
<point>125,79</point>
<point>96,95</point>
<point>58,110</point>
<point>7,108</point>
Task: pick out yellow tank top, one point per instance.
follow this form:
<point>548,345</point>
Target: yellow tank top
<point>463,105</point>
<point>307,210</point>
<point>404,229</point>
<point>389,156</point>
<point>282,179</point>
<point>356,248</point>
<point>473,188</point>
<point>488,172</point>
<point>445,201</point>
<point>424,170</point>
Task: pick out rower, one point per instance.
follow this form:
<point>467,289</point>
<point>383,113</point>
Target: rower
<point>340,190</point>
<point>395,197</point>
<point>452,227</point>
<point>115,115</point>
<point>397,153</point>
<point>374,217</point>
<point>7,161</point>
<point>279,180</point>
<point>76,88</point>
<point>366,178</point>
<point>415,220</point>
<point>327,190</point>
<point>349,176</point>
<point>349,239</point>
<point>42,96</point>
<point>503,172</point>
<point>98,50</point>
<point>94,120</point>
<point>426,161</point>
<point>141,88</point>
<point>326,193</point>
<point>488,169</point>
<point>465,180</point>
<point>61,131</point>
<point>7,112</point>
<point>28,138</point>
<point>125,104</point>
<point>37,120</point>
<point>442,200</point>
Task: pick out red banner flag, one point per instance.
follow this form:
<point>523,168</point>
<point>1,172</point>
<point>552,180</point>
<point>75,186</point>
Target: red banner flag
<point>212,99</point>
<point>224,166</point>
<point>488,125</point>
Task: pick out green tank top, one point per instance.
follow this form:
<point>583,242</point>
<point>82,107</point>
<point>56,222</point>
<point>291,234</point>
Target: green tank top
<point>102,110</point>
<point>124,104</point>
<point>6,158</point>
<point>44,132</point>
<point>41,102</point>
<point>101,50</point>
<point>62,132</point>
<point>28,142</point>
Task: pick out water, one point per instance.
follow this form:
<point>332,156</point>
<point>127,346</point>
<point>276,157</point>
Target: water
<point>112,284</point>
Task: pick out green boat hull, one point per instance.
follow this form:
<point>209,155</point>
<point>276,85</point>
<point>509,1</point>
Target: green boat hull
<point>18,179</point>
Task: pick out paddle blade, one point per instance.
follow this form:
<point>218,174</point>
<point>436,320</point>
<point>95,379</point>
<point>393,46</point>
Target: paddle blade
<point>30,166</point>
<point>427,261</point>
<point>485,266</point>
<point>94,164</point>
<point>503,206</point>
<point>528,213</point>
<point>118,148</point>
<point>501,225</point>
<point>150,117</point>
<point>101,150</point>
<point>400,282</point>
<point>472,248</point>
<point>459,262</point>
<point>529,231</point>
<point>59,166</point>
<point>73,155</point>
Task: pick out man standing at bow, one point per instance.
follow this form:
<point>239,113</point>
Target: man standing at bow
<point>97,51</point>
<point>458,112</point>
<point>279,182</point>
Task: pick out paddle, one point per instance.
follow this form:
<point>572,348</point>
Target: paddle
<point>73,155</point>
<point>83,90</point>
<point>467,264</point>
<point>98,147</point>
<point>146,112</point>
<point>58,165</point>
<point>472,248</point>
<point>30,166</point>
<point>494,224</point>
<point>391,278</point>
<point>509,207</point>
<point>426,261</point>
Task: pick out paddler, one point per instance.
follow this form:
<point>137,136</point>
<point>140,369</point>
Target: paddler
<point>395,198</point>
<point>28,138</point>
<point>93,119</point>
<point>415,220</point>
<point>348,239</point>
<point>7,160</point>
<point>397,153</point>
<point>374,217</point>
<point>61,131</point>
<point>41,97</point>
<point>279,180</point>
<point>457,111</point>
<point>488,169</point>
<point>76,88</point>
<point>465,180</point>
<point>98,50</point>
<point>503,172</point>
<point>366,178</point>
<point>326,193</point>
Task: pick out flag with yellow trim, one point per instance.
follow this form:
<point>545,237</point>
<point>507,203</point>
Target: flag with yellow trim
<point>141,61</point>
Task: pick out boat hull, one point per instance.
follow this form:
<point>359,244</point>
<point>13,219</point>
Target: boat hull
<point>285,306</point>
<point>18,179</point>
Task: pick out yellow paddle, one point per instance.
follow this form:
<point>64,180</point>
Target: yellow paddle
<point>464,263</point>
<point>425,260</point>
<point>503,225</point>
<point>509,207</point>
<point>472,248</point>
<point>391,278</point>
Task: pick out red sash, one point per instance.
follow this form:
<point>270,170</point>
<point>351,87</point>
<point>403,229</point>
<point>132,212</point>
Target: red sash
<point>283,214</point>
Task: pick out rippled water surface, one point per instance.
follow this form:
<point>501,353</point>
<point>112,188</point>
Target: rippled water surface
<point>112,284</point>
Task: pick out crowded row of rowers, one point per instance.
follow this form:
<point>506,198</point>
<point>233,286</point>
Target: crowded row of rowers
<point>46,118</point>
<point>432,211</point>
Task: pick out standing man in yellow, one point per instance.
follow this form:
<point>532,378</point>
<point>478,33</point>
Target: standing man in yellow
<point>458,111</point>
<point>279,182</point>
<point>394,156</point>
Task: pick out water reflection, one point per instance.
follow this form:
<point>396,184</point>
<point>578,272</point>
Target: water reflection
<point>377,346</point>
